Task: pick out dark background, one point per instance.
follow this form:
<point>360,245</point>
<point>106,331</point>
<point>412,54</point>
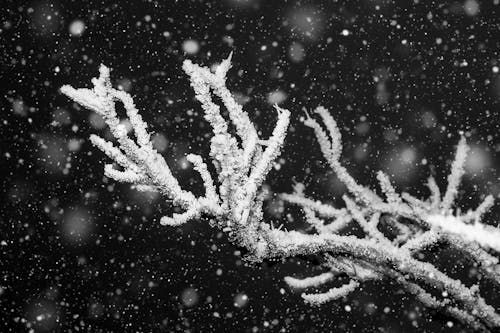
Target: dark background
<point>80,253</point>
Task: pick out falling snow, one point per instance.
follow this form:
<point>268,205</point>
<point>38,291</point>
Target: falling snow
<point>80,252</point>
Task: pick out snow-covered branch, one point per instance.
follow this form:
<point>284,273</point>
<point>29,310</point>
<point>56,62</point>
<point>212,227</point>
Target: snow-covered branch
<point>234,198</point>
<point>421,223</point>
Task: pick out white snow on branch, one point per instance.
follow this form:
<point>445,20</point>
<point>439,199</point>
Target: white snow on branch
<point>308,282</point>
<point>419,225</point>
<point>236,202</point>
<point>142,164</point>
<point>396,226</point>
<point>485,235</point>
<point>330,295</point>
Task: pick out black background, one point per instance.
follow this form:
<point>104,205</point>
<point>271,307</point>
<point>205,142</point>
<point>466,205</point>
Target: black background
<point>81,253</point>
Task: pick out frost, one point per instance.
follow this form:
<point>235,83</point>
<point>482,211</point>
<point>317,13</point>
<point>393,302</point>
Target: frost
<point>420,224</point>
<point>234,199</point>
<point>236,203</point>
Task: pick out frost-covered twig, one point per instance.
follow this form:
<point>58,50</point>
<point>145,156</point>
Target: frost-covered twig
<point>141,164</point>
<point>431,221</point>
<point>330,295</point>
<point>309,282</point>
<point>457,171</point>
<point>236,200</point>
<point>388,261</point>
